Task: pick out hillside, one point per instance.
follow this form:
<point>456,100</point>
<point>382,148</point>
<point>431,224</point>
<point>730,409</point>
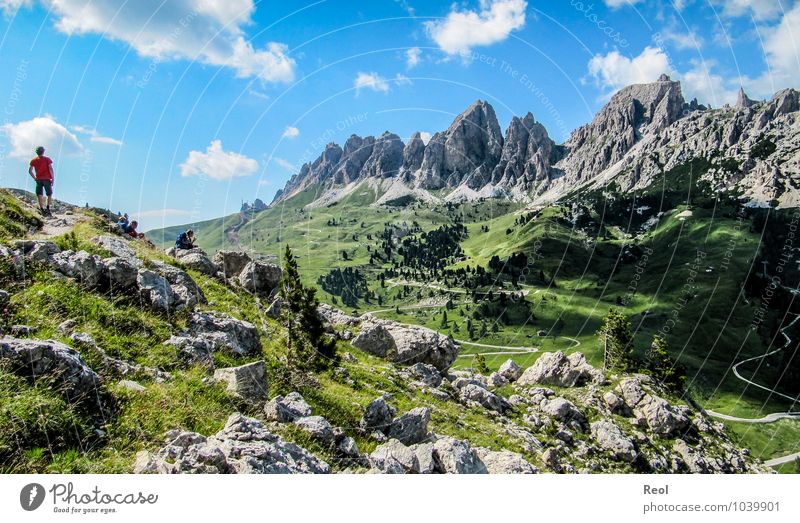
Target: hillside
<point>117,358</point>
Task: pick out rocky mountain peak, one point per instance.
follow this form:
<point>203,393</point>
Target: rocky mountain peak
<point>743,101</point>
<point>466,153</point>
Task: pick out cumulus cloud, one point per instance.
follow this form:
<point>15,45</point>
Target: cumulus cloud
<point>425,137</point>
<point>709,88</point>
<point>218,164</point>
<point>25,136</point>
<point>613,71</point>
<point>286,164</point>
<point>94,136</point>
<point>291,132</point>
<point>460,31</point>
<point>9,7</point>
<point>401,79</point>
<point>782,54</point>
<point>413,57</point>
<point>372,81</point>
<point>203,30</point>
<point>760,10</point>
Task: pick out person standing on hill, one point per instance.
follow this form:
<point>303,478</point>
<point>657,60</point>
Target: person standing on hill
<point>45,179</point>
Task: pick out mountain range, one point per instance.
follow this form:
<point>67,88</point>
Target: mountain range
<point>750,150</point>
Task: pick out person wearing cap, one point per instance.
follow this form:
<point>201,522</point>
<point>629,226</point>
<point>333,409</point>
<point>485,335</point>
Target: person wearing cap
<point>185,240</point>
<point>44,177</point>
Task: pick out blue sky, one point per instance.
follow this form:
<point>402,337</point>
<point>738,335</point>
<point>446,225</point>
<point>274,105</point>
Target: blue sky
<point>178,110</point>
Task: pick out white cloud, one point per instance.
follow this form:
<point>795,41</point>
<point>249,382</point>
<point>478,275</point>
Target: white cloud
<point>616,4</point>
<point>9,7</point>
<point>161,213</point>
<point>94,136</point>
<point>782,54</point>
<point>291,132</point>
<point>413,57</point>
<point>460,31</point>
<point>25,136</point>
<point>681,40</point>
<point>208,31</point>
<point>614,71</point>
<point>264,182</point>
<point>425,136</point>
<point>401,79</point>
<point>760,10</point>
<point>218,164</point>
<point>709,88</point>
<point>286,164</point>
<point>372,81</point>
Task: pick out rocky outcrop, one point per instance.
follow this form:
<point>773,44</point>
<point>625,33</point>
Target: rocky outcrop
<point>224,332</point>
<point>411,427</point>
<point>454,456</point>
<point>528,155</point>
<point>116,367</point>
<point>510,370</point>
<point>49,362</point>
<point>394,457</point>
<point>198,260</point>
<point>504,462</point>
<point>556,368</point>
<point>243,446</point>
<point>610,437</point>
<point>377,416</point>
<point>84,268</point>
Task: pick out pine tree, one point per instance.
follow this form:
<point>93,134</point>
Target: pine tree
<point>308,345</point>
<point>661,365</point>
<point>480,364</point>
<point>444,320</point>
<point>617,341</point>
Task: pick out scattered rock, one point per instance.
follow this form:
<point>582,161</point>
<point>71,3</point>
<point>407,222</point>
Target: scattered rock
<point>427,374</point>
<point>119,247</point>
<point>454,456</point>
<point>131,386</point>
<point>51,362</point>
<point>610,437</point>
<point>198,260</point>
<point>119,273</point>
<point>563,410</point>
<point>246,381</point>
<point>317,427</point>
<point>114,366</point>
<point>21,331</point>
<point>504,462</point>
<point>375,339</point>
<point>335,316</point>
<point>224,332</point>
<point>287,408</point>
<point>510,370</point>
<point>411,427</point>
<point>156,290</point>
<point>488,400</point>
<point>66,327</point>
<point>377,416</point>
<point>497,380</point>
<point>555,368</point>
<point>81,266</point>
<point>244,446</point>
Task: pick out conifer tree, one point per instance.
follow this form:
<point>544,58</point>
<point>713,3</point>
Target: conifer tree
<point>616,338</point>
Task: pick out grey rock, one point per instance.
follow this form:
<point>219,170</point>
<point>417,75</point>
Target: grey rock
<point>119,248</point>
<point>51,362</point>
<point>131,386</point>
<point>510,370</point>
<point>231,263</point>
<point>260,278</point>
<point>116,367</point>
<point>287,408</point>
<point>488,400</point>
<point>563,410</point>
<point>156,290</point>
<point>81,266</point>
<point>375,339</point>
<point>119,273</point>
<point>243,446</point>
<point>246,381</point>
<point>66,327</point>
<point>411,427</point>
<point>377,416</point>
<point>504,462</point>
<point>187,293</point>
<point>192,350</point>
<point>610,437</point>
<point>317,427</point>
<point>198,260</point>
<point>497,380</point>
<point>224,332</point>
<point>427,374</point>
<point>555,368</point>
<point>22,331</point>
<point>454,456</point>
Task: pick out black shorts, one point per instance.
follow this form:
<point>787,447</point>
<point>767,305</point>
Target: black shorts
<point>44,186</point>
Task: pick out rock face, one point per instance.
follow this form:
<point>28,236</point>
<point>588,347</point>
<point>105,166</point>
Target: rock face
<point>119,248</point>
<point>454,456</point>
<point>510,370</point>
<point>243,446</point>
<point>198,260</point>
<point>317,427</point>
<point>247,381</point>
<point>51,362</point>
<point>85,268</point>
<point>260,278</point>
<point>504,462</point>
<point>394,457</point>
<point>375,339</point>
<point>644,129</point>
<point>555,368</point>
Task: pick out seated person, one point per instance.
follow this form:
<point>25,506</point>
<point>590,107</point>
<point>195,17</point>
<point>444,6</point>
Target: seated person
<point>185,240</point>
<point>131,231</point>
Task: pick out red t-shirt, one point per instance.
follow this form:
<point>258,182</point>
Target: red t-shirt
<point>42,165</point>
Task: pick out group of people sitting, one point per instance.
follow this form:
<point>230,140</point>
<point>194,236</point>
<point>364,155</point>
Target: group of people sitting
<point>184,241</point>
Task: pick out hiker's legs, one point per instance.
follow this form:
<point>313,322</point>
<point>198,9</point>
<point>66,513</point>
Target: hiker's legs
<point>40,193</point>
